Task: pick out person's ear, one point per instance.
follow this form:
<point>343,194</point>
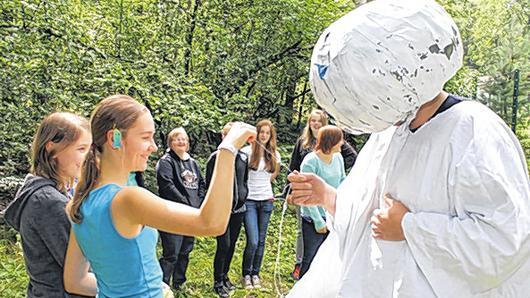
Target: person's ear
<point>114,138</point>
<point>49,146</point>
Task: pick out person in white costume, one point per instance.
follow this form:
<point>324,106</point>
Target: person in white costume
<point>438,201</point>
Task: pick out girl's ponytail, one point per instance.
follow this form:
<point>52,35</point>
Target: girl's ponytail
<point>87,182</point>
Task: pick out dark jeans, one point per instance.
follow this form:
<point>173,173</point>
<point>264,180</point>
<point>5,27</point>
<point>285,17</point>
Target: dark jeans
<point>256,222</point>
<point>312,241</point>
<point>175,257</point>
<point>226,244</point>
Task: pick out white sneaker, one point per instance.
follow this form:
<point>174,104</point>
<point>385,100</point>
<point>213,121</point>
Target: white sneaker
<point>256,282</point>
<point>247,282</point>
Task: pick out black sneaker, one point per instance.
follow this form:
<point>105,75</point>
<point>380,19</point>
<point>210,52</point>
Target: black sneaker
<point>219,289</point>
<point>229,285</point>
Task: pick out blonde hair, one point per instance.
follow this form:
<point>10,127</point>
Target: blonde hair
<point>114,112</point>
<point>269,154</point>
<point>175,133</point>
<point>308,139</point>
<point>62,129</point>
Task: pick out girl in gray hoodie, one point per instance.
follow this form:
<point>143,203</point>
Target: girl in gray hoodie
<point>37,213</point>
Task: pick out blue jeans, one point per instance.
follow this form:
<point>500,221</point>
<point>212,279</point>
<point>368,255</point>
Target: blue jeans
<point>256,222</point>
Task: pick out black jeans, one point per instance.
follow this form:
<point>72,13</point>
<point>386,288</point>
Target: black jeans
<point>226,244</point>
<point>175,257</point>
<point>312,241</point>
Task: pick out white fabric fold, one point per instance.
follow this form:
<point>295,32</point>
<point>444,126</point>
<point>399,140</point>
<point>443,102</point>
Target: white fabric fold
<point>463,176</point>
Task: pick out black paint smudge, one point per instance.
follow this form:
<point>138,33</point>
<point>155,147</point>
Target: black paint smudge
<point>448,50</point>
<point>434,49</point>
<point>396,75</point>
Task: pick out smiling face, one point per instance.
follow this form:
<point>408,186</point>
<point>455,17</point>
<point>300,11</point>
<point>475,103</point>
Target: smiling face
<point>180,143</point>
<point>139,143</point>
<point>70,159</point>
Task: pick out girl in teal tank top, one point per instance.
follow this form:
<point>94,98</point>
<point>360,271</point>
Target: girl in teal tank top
<point>114,225</point>
<point>115,259</point>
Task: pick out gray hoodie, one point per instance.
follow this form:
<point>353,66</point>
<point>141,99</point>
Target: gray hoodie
<point>38,214</point>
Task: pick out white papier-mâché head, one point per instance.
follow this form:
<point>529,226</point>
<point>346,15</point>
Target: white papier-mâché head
<point>378,64</point>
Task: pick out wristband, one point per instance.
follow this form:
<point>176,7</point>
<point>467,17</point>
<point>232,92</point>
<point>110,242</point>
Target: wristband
<point>229,147</point>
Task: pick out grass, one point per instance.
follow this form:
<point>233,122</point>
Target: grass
<point>13,277</point>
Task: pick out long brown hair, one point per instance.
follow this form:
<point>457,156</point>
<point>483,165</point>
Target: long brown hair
<point>62,129</point>
<point>117,111</point>
<point>270,154</point>
<point>307,135</point>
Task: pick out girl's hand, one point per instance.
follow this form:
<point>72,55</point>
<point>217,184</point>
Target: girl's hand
<point>239,134</point>
<point>322,230</point>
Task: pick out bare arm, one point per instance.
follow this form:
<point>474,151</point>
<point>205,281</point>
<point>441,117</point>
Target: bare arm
<point>133,206</point>
<point>77,279</point>
<point>276,172</point>
<point>277,168</point>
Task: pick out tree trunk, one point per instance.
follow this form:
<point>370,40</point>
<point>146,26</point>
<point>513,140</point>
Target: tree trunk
<point>189,38</point>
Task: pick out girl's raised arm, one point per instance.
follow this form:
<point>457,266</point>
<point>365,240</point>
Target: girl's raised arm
<point>137,206</point>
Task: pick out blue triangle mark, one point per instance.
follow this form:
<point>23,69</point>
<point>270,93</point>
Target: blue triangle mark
<point>322,70</point>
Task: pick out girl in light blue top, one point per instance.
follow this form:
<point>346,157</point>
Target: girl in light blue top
<point>327,163</point>
<point>115,225</point>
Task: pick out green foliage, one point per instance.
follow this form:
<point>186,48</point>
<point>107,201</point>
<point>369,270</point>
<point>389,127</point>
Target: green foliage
<point>496,38</point>
<point>199,64</point>
<point>195,64</point>
<point>13,277</point>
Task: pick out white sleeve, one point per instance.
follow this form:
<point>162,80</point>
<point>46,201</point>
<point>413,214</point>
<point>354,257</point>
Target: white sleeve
<point>488,240</point>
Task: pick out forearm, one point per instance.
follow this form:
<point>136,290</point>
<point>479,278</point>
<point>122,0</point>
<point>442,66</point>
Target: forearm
<point>330,200</point>
<point>86,286</point>
<point>317,219</point>
<point>215,209</point>
<point>276,173</point>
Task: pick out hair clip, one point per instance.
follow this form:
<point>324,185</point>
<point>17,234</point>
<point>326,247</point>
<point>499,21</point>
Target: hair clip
<point>116,139</point>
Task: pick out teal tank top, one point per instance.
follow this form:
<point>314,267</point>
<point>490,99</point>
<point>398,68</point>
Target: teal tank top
<point>124,267</point>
